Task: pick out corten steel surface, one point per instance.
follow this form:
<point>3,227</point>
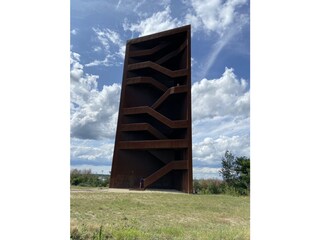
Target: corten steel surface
<point>153,138</point>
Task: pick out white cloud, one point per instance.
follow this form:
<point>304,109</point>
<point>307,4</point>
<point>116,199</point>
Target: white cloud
<point>221,119</point>
<point>225,96</point>
<point>74,57</point>
<point>74,31</point>
<point>220,126</point>
<point>91,151</point>
<point>138,4</point>
<point>113,36</point>
<point>118,4</point>
<point>193,20</point>
<point>215,15</point>
<point>122,51</point>
<point>105,62</point>
<point>159,21</point>
<point>216,49</point>
<point>211,150</point>
<point>193,62</point>
<point>112,45</point>
<point>206,172</point>
<point>109,38</point>
<point>209,16</point>
<point>221,18</point>
<point>93,113</point>
<point>97,118</point>
<point>102,37</point>
<point>97,49</point>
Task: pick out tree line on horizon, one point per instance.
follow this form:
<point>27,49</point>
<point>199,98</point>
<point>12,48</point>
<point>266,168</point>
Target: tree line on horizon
<point>85,178</point>
<point>235,174</point>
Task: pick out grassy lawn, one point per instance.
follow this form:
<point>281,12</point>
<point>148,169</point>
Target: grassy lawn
<point>99,214</point>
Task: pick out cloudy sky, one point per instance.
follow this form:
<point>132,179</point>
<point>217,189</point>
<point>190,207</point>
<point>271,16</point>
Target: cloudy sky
<point>284,116</point>
<point>220,74</point>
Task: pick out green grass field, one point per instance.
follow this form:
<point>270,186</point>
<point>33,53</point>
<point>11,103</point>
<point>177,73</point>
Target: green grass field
<point>98,214</point>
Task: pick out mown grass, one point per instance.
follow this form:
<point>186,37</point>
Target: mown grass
<point>109,215</point>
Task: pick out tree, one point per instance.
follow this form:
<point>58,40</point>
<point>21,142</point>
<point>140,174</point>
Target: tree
<point>228,168</point>
<point>235,172</point>
<point>242,168</point>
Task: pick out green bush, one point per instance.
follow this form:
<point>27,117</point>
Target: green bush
<point>216,186</point>
<point>86,178</point>
<point>208,186</point>
<point>230,190</point>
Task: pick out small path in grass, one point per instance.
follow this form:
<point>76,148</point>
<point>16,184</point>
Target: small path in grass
<point>124,190</point>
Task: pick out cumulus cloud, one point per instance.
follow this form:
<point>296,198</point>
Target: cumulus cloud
<point>91,152</point>
<point>227,95</point>
<point>210,151</point>
<point>157,22</point>
<point>93,113</point>
<point>215,15</point>
<point>112,45</point>
<point>221,119</point>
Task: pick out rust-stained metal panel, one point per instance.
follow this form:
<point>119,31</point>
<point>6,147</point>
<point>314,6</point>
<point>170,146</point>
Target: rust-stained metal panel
<point>153,146</point>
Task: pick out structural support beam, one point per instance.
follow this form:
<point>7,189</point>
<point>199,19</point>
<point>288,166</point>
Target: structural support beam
<point>147,80</point>
<point>153,144</point>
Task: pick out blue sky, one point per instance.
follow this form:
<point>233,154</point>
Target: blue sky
<point>220,74</point>
<point>284,116</point>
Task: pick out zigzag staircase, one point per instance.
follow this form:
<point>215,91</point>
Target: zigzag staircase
<point>174,165</point>
<point>154,116</point>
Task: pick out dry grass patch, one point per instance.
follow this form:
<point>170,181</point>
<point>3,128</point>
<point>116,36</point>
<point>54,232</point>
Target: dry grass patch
<point>110,215</point>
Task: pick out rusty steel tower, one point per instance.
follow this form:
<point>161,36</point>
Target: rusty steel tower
<point>153,145</point>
